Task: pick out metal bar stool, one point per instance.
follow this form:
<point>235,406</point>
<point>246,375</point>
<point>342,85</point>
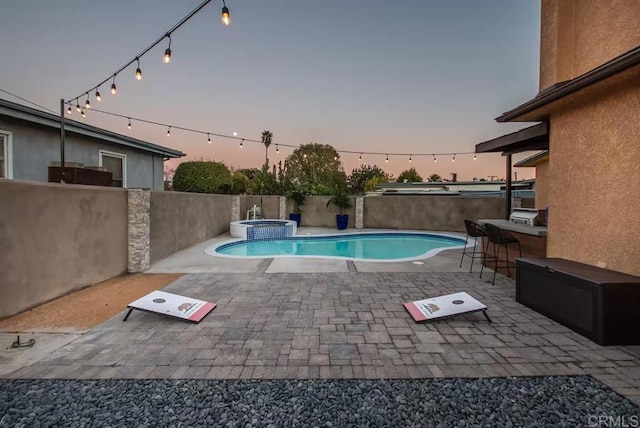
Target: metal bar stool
<point>498,238</point>
<point>474,230</point>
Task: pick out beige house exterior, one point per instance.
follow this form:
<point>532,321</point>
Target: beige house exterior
<point>590,97</point>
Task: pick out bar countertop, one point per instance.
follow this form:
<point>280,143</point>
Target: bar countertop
<point>514,227</point>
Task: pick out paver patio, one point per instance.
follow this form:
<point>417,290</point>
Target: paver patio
<point>337,325</point>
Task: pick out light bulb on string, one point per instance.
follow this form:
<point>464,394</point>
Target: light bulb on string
<point>113,85</point>
<point>87,104</point>
<point>226,18</point>
<point>304,155</point>
<point>475,157</point>
<point>138,70</point>
<point>78,109</point>
<point>277,149</point>
<point>69,110</point>
<point>360,158</point>
<point>241,143</point>
<point>387,160</point>
<point>435,159</point>
<point>410,158</point>
<point>167,53</point>
<point>208,138</point>
<point>98,96</point>
<point>169,132</point>
<point>129,124</point>
<point>335,158</point>
<point>82,113</point>
<point>453,159</point>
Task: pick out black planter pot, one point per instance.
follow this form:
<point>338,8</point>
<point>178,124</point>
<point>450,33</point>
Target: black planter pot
<point>296,217</point>
<point>342,220</point>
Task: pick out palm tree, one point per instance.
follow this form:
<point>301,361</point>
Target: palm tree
<point>267,136</point>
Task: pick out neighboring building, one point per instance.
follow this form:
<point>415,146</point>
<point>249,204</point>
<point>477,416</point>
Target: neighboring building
<point>590,98</point>
<point>30,143</point>
<point>465,188</point>
<point>541,162</point>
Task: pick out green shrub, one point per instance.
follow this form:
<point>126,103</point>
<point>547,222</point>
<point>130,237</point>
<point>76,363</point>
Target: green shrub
<point>202,177</point>
<point>239,183</point>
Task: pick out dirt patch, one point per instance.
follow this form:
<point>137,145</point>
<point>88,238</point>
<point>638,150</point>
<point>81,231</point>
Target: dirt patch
<point>86,308</point>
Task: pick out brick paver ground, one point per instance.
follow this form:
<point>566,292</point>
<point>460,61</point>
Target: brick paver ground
<point>338,325</point>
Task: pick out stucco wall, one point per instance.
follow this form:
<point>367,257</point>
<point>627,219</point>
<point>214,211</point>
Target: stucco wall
<point>270,209</point>
<point>179,220</point>
<point>429,212</point>
<point>579,35</point>
<point>542,185</point>
<point>594,205</point>
<point>35,146</point>
<point>58,238</point>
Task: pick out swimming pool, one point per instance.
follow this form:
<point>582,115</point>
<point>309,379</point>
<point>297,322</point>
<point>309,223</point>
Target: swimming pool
<point>365,246</point>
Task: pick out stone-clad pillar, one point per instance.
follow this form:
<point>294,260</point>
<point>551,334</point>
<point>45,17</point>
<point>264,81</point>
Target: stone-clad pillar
<point>139,230</point>
<point>235,208</point>
<point>359,212</point>
<point>283,208</point>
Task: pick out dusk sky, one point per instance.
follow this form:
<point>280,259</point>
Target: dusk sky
<point>411,76</point>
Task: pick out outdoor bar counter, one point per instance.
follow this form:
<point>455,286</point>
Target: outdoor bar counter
<point>533,240</point>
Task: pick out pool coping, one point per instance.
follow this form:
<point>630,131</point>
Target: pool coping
<point>470,242</point>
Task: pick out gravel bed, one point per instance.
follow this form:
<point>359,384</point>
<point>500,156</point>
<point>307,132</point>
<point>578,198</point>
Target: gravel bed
<point>509,402</point>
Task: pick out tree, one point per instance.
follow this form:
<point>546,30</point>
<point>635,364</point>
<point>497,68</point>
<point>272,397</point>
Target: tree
<point>366,178</point>
<point>317,167</point>
<point>263,182</point>
<point>239,183</point>
<point>435,177</point>
<point>267,136</point>
<point>410,175</point>
<point>202,177</point>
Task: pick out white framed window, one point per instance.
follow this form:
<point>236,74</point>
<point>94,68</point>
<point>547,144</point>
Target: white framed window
<point>6,154</point>
<point>116,164</point>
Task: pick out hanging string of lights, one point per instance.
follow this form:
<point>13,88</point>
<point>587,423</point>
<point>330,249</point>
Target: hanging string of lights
<point>235,136</point>
<point>138,73</point>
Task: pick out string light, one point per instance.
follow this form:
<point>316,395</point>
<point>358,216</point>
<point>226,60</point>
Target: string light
<point>82,113</point>
<point>409,158</point>
<point>226,19</point>
<point>453,159</point>
<point>129,124</point>
<point>475,157</point>
<point>69,110</point>
<point>98,96</point>
<point>87,104</point>
<point>138,70</point>
<point>208,139</point>
<point>335,158</point>
<point>235,136</point>
<point>167,53</point>
<point>113,85</point>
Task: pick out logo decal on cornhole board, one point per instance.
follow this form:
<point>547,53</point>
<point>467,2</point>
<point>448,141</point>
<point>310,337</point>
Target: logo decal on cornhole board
<point>443,306</point>
<point>173,305</point>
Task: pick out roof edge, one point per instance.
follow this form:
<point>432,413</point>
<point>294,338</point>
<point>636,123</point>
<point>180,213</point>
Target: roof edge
<point>562,89</point>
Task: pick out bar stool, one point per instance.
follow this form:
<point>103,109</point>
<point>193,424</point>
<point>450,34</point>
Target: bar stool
<point>474,230</point>
<point>498,238</point>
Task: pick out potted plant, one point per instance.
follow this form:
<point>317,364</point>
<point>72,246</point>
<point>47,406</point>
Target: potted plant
<point>343,202</point>
<point>299,198</point>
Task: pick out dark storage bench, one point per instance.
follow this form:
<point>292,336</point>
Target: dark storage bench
<point>600,304</point>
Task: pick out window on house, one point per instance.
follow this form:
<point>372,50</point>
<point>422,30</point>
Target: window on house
<point>116,164</point>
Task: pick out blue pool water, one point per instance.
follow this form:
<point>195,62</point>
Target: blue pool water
<point>370,246</point>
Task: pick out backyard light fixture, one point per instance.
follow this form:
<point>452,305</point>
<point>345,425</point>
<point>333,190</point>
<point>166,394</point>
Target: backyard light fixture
<point>78,109</point>
<point>435,159</point>
<point>475,157</point>
<point>226,19</point>
<point>387,160</point>
<point>167,53</point>
<point>410,158</point>
<point>277,149</point>
<point>82,113</point>
<point>241,143</point>
<point>138,70</point>
<point>129,124</point>
<point>453,159</point>
<point>169,132</point>
<point>360,158</point>
<point>208,139</point>
<point>87,104</point>
<point>69,110</point>
<point>113,85</point>
<point>98,96</point>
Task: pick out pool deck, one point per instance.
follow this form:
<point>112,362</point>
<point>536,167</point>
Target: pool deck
<point>282,318</point>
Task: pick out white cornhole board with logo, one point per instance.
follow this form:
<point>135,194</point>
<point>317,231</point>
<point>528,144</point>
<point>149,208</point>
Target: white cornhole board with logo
<point>172,305</point>
<point>444,306</point>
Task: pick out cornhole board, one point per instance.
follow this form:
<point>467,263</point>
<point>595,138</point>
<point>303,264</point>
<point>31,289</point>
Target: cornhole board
<point>172,305</point>
<point>444,306</point>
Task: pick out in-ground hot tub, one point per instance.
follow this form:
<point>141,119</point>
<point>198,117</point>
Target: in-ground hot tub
<point>263,229</point>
